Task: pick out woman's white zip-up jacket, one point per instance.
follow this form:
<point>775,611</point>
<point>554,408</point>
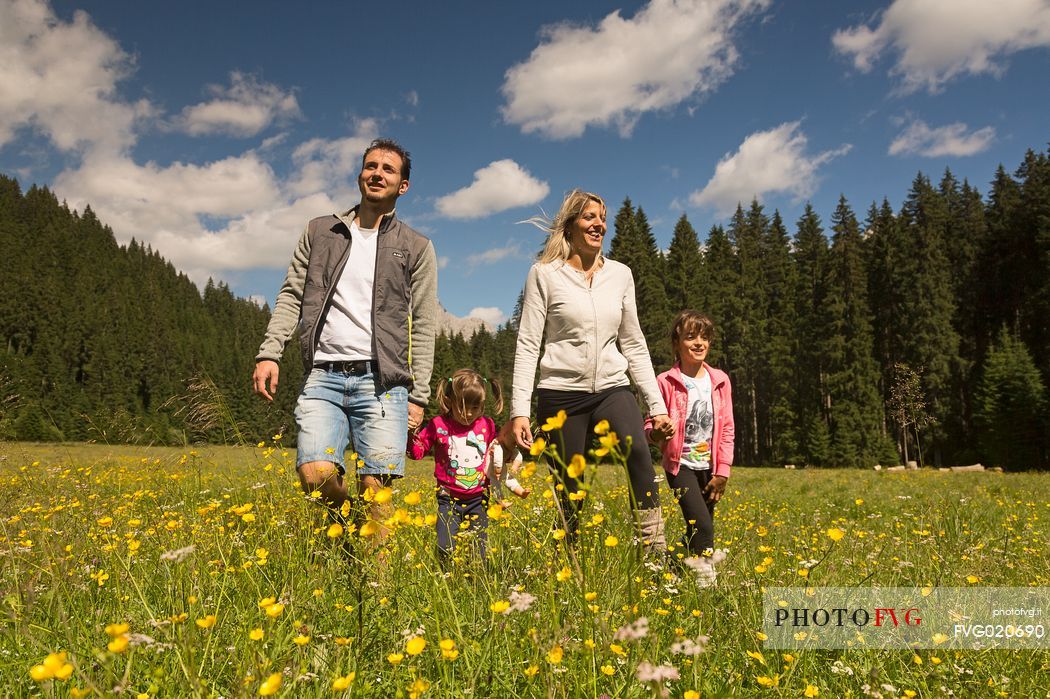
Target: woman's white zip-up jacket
<point>578,327</point>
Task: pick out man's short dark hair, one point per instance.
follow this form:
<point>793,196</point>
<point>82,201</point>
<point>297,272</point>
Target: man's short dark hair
<point>394,147</point>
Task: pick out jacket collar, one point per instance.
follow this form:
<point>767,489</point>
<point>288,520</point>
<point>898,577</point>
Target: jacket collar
<point>675,372</point>
<point>385,221</point>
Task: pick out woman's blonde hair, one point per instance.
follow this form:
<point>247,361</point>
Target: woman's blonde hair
<point>467,387</point>
<point>557,247</point>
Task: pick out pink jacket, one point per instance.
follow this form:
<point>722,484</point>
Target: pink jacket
<point>676,398</point>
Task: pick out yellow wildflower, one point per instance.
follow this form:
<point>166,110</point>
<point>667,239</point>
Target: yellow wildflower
<point>608,670</point>
<point>119,644</point>
<point>256,634</point>
<point>415,645</point>
<point>395,658</point>
<point>555,422</point>
<point>602,427</point>
<point>811,691</point>
<point>499,606</point>
<point>301,640</point>
<point>270,685</point>
<point>576,466</point>
<point>207,622</point>
<point>274,610</point>
<point>413,498</point>
<point>555,655</point>
<point>836,534</point>
<point>611,541</point>
<point>340,684</point>
<point>537,447</point>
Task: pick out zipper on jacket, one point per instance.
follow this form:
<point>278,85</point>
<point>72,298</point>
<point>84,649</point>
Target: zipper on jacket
<point>594,318</point>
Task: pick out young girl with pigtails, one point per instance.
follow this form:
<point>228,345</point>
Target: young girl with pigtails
<point>463,442</point>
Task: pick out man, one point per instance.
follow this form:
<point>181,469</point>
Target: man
<point>362,291</point>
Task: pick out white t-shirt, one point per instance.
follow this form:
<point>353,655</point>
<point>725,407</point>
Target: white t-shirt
<point>699,424</point>
<point>347,331</point>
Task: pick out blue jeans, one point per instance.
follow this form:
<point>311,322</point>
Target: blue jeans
<point>334,405</point>
<point>453,512</point>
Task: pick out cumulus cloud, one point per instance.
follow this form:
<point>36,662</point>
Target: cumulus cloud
<point>60,78</point>
<point>938,40</point>
<point>951,140</point>
<point>767,162</point>
<point>498,186</point>
<point>492,316</point>
<point>244,108</point>
<point>321,161</point>
<point>230,214</point>
<point>493,255</point>
<point>611,74</point>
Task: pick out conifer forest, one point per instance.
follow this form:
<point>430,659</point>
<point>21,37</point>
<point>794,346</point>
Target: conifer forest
<point>853,337</point>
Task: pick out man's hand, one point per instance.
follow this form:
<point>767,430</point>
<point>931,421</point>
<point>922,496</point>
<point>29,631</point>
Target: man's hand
<point>715,488</point>
<point>415,416</point>
<point>663,429</point>
<point>520,432</point>
<point>264,379</point>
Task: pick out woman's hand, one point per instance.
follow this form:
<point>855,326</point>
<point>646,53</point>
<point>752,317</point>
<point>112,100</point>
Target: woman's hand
<point>715,488</point>
<point>663,428</point>
<point>520,432</point>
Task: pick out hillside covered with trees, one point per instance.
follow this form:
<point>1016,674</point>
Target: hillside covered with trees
<point>922,332</point>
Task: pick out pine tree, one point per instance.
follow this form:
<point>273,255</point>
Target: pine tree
<point>780,438</point>
<point>684,280</point>
<point>810,397</point>
<point>1010,407</point>
<point>855,408</point>
<point>927,337</point>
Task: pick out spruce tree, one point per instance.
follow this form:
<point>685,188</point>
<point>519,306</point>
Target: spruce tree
<point>1010,407</point>
<point>855,408</point>
<point>683,278</point>
<point>810,395</point>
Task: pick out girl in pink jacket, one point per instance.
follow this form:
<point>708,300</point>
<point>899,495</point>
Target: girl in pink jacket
<point>698,456</point>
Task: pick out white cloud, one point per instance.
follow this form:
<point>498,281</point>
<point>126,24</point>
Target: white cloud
<point>320,161</point>
<point>244,108</point>
<point>232,213</point>
<point>443,261</point>
<point>174,208</point>
<point>950,140</point>
<point>498,186</point>
<point>493,255</point>
<point>60,78</point>
<point>612,74</point>
<point>766,162</point>
<point>938,40</point>
<point>492,316</point>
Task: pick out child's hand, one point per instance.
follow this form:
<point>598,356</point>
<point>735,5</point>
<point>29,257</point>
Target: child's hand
<point>715,489</point>
<point>663,429</point>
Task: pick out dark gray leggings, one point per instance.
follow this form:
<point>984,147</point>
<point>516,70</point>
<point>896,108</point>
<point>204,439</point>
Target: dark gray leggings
<point>585,410</point>
<point>688,486</point>
<point>452,512</point>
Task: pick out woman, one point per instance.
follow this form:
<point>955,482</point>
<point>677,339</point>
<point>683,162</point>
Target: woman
<point>578,304</point>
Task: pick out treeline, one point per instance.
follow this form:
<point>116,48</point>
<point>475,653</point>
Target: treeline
<point>913,334</point>
<point>920,333</point>
<point>111,343</point>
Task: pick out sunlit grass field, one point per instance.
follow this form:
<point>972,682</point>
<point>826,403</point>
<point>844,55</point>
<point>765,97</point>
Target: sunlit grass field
<point>160,572</point>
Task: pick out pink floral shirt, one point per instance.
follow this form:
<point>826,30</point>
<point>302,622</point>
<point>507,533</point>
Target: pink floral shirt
<point>460,453</point>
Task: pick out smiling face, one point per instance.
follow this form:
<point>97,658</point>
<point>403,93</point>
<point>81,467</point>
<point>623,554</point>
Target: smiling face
<point>692,349</point>
<point>380,180</point>
<point>588,229</point>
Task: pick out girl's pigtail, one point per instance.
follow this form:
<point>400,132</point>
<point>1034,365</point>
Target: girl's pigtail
<point>497,395</point>
<point>442,395</point>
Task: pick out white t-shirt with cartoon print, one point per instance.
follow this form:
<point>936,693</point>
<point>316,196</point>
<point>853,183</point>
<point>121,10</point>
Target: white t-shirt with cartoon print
<point>699,424</point>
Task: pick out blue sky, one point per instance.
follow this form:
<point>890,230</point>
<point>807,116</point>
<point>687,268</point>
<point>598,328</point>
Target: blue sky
<point>214,131</point>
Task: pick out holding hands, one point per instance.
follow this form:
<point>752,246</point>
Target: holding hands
<point>663,429</point>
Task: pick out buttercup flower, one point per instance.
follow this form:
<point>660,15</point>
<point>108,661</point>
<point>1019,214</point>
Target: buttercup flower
<point>415,645</point>
<point>555,422</point>
<point>270,685</point>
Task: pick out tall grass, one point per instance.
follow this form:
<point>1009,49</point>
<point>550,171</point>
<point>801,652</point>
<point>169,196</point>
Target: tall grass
<point>232,583</point>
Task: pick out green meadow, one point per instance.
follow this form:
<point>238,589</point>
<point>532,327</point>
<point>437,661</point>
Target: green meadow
<point>164,572</point>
